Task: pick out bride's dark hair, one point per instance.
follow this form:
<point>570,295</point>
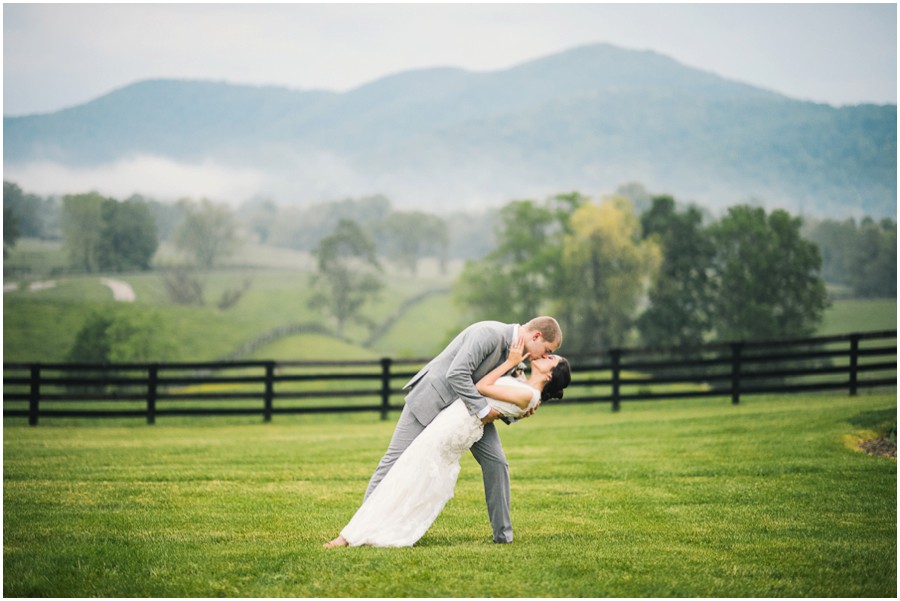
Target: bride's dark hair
<point>561,376</point>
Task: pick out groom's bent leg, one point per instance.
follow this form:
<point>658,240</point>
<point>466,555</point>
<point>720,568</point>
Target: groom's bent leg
<point>495,469</point>
<point>408,427</point>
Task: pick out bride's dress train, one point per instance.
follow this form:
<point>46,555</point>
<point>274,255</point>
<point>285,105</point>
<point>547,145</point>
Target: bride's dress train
<point>415,491</point>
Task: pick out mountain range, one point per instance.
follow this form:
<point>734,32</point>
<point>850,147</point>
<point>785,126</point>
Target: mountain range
<point>589,119</point>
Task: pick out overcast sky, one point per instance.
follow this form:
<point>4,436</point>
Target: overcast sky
<point>60,55</point>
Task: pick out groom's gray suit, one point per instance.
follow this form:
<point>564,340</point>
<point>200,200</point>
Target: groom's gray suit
<point>451,375</point>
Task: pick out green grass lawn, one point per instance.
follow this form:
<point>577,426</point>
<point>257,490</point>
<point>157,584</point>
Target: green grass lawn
<point>671,499</point>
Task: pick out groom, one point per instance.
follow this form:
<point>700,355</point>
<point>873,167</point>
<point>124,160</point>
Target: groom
<point>451,375</point>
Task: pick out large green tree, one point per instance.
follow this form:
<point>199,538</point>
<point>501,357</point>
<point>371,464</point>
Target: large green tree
<point>521,277</point>
<point>681,298</point>
<point>768,282</point>
<point>348,274</point>
<point>607,269</point>
<point>128,238</point>
<point>103,234</point>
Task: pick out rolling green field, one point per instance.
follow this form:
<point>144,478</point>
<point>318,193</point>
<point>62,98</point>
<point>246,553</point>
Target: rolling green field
<point>663,499</point>
<point>41,326</point>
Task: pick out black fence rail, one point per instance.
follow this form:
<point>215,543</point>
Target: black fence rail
<point>846,363</point>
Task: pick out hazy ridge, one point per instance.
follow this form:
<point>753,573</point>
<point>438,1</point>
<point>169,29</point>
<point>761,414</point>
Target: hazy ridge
<point>588,119</point>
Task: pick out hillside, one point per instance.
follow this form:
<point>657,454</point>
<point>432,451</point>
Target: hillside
<point>588,119</point>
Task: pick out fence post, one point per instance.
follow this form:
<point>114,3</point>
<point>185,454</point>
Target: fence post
<point>35,395</point>
<point>736,372</point>
<point>385,387</point>
<point>616,355</point>
<point>270,391</point>
<point>151,394</point>
<point>854,363</point>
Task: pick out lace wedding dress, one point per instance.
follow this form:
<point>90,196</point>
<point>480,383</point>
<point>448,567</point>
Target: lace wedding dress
<point>414,492</point>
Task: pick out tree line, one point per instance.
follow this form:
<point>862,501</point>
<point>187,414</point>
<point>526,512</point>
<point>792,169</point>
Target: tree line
<point>858,255</point>
<point>664,277</point>
<point>120,236</point>
<point>613,275</point>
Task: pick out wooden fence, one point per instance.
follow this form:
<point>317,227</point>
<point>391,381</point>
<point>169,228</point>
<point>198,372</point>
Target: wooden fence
<point>846,363</point>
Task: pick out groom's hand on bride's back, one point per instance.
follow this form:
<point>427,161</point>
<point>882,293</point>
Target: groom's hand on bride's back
<point>491,416</point>
<point>531,411</point>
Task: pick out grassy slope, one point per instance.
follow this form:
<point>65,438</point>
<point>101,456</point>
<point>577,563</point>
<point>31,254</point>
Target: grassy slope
<point>682,499</point>
<point>42,326</point>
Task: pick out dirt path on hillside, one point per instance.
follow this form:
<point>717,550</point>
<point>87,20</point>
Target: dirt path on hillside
<point>122,291</point>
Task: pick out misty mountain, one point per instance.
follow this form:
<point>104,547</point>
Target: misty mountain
<point>588,119</point>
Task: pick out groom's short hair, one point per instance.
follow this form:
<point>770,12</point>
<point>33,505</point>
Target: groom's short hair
<point>547,326</point>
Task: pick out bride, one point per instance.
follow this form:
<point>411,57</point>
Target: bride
<point>402,508</point>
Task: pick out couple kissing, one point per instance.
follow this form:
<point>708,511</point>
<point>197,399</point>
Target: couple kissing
<point>451,406</point>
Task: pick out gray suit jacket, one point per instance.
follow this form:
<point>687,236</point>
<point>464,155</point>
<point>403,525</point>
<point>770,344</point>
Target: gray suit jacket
<point>452,374</point>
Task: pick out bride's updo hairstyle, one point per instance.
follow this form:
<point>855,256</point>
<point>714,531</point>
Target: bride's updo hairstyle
<point>561,376</point>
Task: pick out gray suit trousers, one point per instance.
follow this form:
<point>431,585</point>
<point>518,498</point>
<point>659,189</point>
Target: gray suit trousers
<point>488,453</point>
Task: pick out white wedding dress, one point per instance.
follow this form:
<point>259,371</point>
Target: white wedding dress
<point>414,492</point>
